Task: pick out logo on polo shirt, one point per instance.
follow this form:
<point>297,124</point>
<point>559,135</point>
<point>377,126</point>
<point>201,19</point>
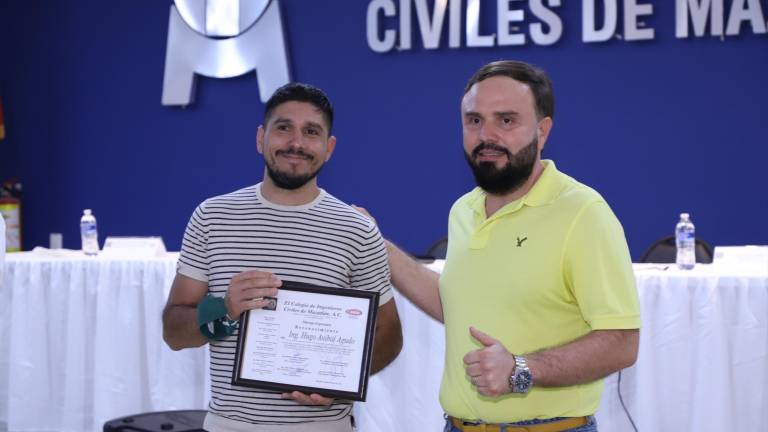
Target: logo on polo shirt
<point>520,241</point>
<point>223,39</point>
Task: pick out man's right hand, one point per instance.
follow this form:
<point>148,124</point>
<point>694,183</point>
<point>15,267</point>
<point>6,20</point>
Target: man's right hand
<point>247,291</point>
<point>365,213</point>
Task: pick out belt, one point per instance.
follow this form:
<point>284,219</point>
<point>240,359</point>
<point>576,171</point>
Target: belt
<point>555,426</point>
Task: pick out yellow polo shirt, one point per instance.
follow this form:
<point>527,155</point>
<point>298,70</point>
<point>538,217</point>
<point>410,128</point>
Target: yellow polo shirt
<point>541,271</point>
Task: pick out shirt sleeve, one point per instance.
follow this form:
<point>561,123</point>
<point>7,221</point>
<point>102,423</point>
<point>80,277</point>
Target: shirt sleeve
<point>193,259</point>
<point>371,269</point>
<point>598,270</point>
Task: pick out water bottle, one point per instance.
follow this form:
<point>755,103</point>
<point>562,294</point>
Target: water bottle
<point>685,239</point>
<point>88,233</point>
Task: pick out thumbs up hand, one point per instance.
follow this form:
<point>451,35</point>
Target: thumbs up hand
<point>489,367</point>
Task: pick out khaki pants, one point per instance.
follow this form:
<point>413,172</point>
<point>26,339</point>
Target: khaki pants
<point>217,423</point>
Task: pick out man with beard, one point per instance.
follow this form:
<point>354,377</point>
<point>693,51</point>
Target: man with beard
<point>537,293</point>
<point>238,247</point>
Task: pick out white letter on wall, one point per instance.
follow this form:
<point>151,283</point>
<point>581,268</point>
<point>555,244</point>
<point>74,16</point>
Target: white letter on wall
<point>589,32</point>
<point>388,42</point>
<point>431,28</point>
<point>752,13</point>
<point>405,24</point>
<point>550,19</point>
<point>700,13</point>
<point>474,39</point>
<point>632,10</point>
<point>504,17</point>
<point>454,24</point>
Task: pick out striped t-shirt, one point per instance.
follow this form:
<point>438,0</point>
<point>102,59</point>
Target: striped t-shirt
<point>325,242</point>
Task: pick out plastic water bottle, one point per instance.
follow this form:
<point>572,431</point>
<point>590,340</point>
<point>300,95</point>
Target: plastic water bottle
<point>685,239</point>
<point>88,233</point>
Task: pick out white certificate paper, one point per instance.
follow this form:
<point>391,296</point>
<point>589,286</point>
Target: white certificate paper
<point>316,340</point>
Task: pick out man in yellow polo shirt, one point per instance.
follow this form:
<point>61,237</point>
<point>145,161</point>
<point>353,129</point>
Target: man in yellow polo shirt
<point>537,293</point>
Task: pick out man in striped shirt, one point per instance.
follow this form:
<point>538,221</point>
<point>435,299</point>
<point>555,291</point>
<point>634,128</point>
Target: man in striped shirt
<point>238,248</point>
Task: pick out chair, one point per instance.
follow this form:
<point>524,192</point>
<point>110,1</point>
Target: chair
<point>161,421</point>
<point>438,250</point>
<point>664,250</point>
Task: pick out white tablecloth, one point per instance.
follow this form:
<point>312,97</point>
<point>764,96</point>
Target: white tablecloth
<point>81,343</point>
<point>2,248</point>
<point>703,361</point>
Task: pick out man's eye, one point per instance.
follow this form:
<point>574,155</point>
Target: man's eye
<point>311,131</point>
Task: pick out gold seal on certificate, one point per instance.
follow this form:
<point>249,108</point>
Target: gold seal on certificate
<point>311,339</point>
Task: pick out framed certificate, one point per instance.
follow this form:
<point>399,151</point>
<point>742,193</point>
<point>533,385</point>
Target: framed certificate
<point>311,339</point>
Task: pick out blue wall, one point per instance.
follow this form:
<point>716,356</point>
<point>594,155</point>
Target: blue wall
<point>658,127</point>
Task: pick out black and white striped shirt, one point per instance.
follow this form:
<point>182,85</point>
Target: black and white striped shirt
<point>325,242</point>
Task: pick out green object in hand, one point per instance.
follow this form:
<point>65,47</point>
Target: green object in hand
<point>212,318</point>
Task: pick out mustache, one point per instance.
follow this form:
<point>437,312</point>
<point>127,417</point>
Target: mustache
<point>490,146</point>
<point>293,152</point>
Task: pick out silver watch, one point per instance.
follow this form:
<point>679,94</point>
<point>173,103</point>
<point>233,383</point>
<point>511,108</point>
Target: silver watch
<point>521,379</point>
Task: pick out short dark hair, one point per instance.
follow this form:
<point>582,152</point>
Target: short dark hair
<point>534,77</point>
<point>300,92</point>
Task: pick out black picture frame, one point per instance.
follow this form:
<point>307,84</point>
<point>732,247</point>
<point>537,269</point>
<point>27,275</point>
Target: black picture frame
<point>366,354</point>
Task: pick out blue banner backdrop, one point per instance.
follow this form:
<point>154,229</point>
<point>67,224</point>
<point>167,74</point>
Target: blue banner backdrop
<point>659,125</point>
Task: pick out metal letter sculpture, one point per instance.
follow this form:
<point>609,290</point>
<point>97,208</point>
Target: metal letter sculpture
<point>223,39</point>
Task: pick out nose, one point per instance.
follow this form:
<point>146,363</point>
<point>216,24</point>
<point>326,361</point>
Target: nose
<point>296,140</point>
<point>487,133</point>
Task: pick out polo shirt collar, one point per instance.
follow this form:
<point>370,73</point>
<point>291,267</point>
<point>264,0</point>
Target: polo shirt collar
<point>546,188</point>
<point>544,191</point>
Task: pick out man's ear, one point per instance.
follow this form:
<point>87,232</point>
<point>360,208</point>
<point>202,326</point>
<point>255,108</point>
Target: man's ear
<point>331,147</point>
<point>543,129</point>
<point>260,140</point>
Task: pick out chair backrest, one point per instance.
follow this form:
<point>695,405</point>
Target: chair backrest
<point>439,249</point>
<point>664,250</point>
<point>159,421</point>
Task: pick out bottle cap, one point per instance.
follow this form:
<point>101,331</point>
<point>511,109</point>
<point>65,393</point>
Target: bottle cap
<point>684,216</point>
<point>87,211</point>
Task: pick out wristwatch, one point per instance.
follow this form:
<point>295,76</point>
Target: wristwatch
<point>521,379</point>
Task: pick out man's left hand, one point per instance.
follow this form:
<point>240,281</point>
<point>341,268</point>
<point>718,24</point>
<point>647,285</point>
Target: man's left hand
<point>489,368</point>
<point>305,399</point>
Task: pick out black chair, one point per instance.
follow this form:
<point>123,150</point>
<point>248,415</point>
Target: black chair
<point>665,251</point>
<point>161,421</point>
<point>438,250</point>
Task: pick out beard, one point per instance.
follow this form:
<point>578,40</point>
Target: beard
<point>508,178</point>
<point>287,180</point>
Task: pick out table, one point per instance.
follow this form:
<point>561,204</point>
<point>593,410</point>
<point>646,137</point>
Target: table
<point>703,360</point>
<point>2,247</point>
<point>81,343</point>
<point>702,364</point>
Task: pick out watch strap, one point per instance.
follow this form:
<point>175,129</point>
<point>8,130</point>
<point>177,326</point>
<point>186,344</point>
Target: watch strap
<point>521,379</point>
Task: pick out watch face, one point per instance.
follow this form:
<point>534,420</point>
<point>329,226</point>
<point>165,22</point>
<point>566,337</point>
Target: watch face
<point>523,381</point>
